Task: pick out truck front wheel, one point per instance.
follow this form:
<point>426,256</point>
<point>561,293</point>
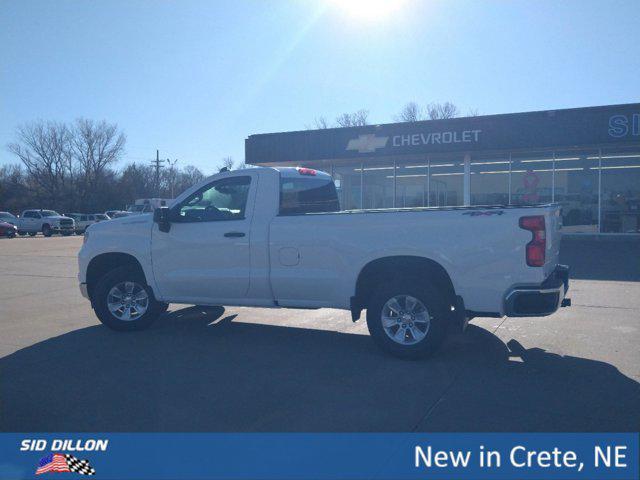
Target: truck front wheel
<point>408,319</point>
<point>123,301</point>
<point>46,230</point>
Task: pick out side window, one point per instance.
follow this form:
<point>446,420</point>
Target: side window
<point>307,195</point>
<point>83,218</point>
<point>222,200</point>
<point>28,215</point>
<point>91,218</point>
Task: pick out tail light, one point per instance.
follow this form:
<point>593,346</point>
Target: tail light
<point>536,248</point>
<point>306,171</point>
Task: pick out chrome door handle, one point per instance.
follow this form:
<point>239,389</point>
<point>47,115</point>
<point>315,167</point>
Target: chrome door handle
<point>234,234</point>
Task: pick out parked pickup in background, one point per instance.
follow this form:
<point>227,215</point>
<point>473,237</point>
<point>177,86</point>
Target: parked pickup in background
<point>275,237</point>
<point>46,221</point>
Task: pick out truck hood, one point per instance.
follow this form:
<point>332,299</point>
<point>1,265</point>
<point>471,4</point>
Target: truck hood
<point>127,224</point>
<point>58,217</point>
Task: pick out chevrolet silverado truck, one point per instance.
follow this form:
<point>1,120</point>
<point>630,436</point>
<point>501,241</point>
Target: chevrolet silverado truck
<point>276,237</point>
<point>46,221</point>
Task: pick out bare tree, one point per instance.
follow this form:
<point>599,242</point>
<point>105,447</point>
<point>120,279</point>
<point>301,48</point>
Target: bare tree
<point>191,175</point>
<point>95,146</point>
<point>44,148</point>
<point>473,112</point>
<point>14,187</point>
<point>355,119</point>
<point>321,123</point>
<point>437,111</point>
<point>411,112</point>
<point>227,162</point>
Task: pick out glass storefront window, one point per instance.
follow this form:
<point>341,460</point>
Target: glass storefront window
<point>377,181</point>
<point>348,185</point>
<point>598,191</point>
<point>576,189</point>
<point>489,182</point>
<point>412,186</point>
<point>531,178</point>
<point>446,182</point>
<point>620,207</point>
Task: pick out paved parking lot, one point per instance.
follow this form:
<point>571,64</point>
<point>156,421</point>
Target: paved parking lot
<point>242,369</point>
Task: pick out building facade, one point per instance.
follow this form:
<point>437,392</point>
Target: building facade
<point>586,159</point>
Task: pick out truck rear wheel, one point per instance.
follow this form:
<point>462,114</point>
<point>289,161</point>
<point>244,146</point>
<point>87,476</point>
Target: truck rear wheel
<point>408,319</point>
<point>123,301</point>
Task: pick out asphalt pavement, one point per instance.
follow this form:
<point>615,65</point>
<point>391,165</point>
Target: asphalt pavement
<point>244,369</point>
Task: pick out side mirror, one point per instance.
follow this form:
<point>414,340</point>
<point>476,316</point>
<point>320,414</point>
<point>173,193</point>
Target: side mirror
<point>161,217</point>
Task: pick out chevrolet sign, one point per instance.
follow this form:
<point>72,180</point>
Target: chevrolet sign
<point>369,143</point>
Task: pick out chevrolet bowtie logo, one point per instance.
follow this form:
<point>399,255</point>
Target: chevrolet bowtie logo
<point>367,143</point>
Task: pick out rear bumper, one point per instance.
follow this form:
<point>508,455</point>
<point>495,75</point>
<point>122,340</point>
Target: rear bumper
<point>539,300</point>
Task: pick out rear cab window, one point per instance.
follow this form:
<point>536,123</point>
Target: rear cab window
<point>307,193</point>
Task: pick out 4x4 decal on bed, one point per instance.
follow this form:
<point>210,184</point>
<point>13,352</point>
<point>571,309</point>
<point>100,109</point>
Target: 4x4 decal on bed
<point>487,213</point>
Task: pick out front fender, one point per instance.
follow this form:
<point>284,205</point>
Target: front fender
<point>128,236</point>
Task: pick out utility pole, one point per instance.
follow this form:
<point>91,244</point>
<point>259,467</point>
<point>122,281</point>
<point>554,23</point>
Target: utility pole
<point>157,163</point>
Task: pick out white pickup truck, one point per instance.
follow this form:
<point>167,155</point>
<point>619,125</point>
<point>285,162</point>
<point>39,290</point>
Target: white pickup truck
<point>275,237</point>
<point>46,221</point>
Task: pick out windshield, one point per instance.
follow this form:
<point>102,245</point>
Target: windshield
<point>49,213</point>
<point>6,215</point>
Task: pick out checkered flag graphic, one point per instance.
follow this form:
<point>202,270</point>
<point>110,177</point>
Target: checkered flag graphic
<point>79,466</point>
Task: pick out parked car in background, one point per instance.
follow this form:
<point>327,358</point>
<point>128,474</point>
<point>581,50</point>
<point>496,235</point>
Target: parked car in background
<point>8,230</point>
<point>110,213</point>
<point>8,218</point>
<point>83,220</point>
<point>120,214</point>
<point>46,221</point>
<point>147,205</point>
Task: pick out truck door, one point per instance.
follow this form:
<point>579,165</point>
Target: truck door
<point>31,221</point>
<point>205,256</point>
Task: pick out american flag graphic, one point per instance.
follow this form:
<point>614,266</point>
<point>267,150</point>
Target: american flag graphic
<point>57,462</point>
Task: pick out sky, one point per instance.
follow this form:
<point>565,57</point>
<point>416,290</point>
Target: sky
<point>195,78</point>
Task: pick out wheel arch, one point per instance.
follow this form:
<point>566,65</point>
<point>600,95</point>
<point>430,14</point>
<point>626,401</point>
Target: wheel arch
<point>105,262</point>
<point>396,267</point>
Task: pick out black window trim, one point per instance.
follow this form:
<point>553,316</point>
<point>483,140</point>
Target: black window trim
<point>175,210</point>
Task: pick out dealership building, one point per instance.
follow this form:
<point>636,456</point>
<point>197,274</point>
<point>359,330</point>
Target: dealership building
<point>586,159</point>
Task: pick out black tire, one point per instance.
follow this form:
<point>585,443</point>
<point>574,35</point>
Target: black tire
<point>438,311</point>
<point>33,234</point>
<point>46,230</point>
<point>101,293</point>
<point>22,234</point>
<point>11,234</point>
